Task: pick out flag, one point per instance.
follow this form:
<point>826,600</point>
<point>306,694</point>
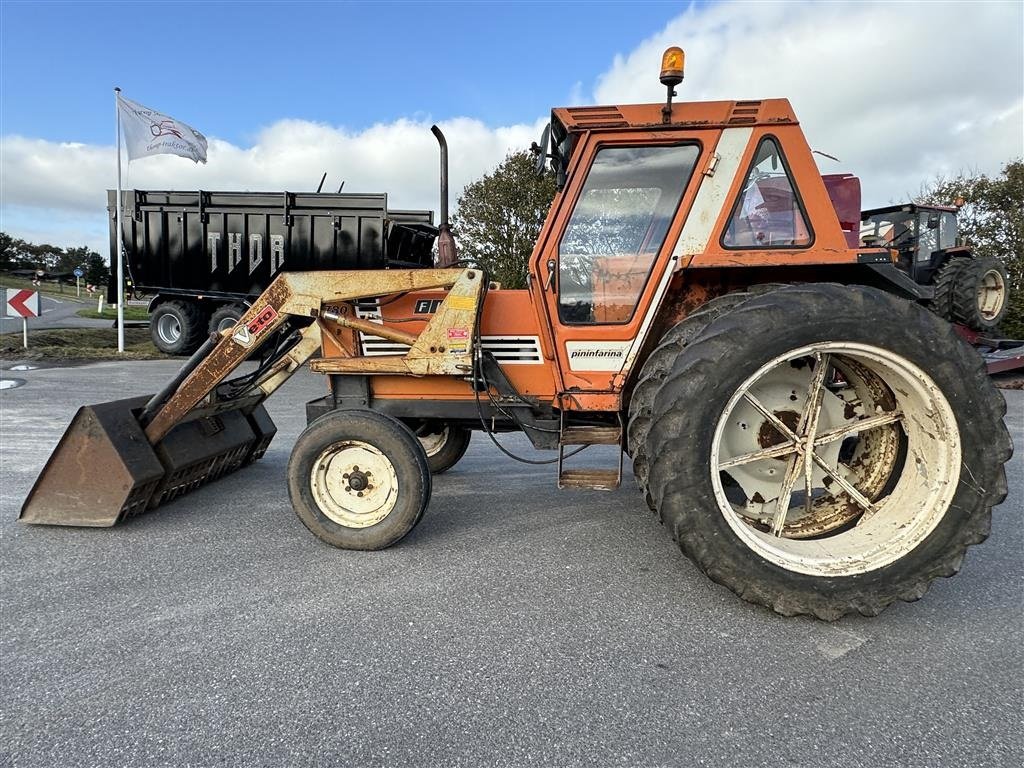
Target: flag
<point>148,132</point>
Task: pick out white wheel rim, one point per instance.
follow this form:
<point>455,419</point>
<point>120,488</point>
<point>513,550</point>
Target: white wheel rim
<point>432,444</point>
<point>168,329</point>
<point>873,400</point>
<point>354,484</point>
<point>991,294</point>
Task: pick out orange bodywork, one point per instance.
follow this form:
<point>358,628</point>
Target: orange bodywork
<point>587,365</point>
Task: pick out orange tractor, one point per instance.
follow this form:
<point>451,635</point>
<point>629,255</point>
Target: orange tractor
<point>813,437</point>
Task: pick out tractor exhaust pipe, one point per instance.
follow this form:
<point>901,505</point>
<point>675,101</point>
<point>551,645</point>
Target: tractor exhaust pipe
<point>446,252</point>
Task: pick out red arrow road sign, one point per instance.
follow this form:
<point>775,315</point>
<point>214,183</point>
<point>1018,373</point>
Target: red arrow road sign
<point>23,303</point>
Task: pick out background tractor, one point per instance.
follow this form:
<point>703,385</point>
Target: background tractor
<point>813,437</point>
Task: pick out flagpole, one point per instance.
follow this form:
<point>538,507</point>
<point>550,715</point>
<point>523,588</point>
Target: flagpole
<point>120,248</point>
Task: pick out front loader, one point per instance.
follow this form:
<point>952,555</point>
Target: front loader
<point>810,434</point>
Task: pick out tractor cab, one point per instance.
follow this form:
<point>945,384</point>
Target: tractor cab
<point>922,235</point>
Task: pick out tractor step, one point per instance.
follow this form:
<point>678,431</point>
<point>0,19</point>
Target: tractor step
<point>589,477</point>
<point>591,436</point>
<point>595,479</point>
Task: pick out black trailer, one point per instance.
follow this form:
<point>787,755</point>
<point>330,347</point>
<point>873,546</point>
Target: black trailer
<point>201,257</point>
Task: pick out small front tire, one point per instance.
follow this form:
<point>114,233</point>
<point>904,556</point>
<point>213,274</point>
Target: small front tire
<point>444,444</point>
<point>358,479</point>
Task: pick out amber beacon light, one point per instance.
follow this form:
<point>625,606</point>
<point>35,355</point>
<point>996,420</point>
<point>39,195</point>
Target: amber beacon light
<point>672,61</point>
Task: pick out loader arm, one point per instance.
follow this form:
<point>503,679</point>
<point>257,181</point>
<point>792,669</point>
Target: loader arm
<point>307,295</point>
<point>121,458</point>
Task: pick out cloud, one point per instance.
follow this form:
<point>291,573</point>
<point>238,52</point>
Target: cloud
<point>68,182</point>
<point>899,92</point>
<point>880,86</point>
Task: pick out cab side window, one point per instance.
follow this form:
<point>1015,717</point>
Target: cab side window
<point>617,228</point>
<point>768,213</point>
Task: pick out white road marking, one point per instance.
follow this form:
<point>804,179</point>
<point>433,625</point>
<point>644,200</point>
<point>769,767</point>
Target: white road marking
<point>838,643</point>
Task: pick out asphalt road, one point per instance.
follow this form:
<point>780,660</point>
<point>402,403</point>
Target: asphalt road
<point>57,312</point>
<point>517,625</point>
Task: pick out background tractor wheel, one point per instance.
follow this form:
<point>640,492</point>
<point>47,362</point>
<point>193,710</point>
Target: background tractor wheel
<point>980,294</point>
<point>971,291</point>
<point>657,366</point>
<point>444,445</point>
<point>226,317</point>
<point>358,479</point>
<point>177,327</point>
<point>825,450</point>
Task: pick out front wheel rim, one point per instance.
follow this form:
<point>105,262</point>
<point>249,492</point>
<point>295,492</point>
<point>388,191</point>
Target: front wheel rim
<point>858,440</point>
<point>354,484</point>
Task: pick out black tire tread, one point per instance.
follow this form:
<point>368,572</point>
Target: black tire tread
<point>452,451</point>
<point>660,362</point>
<point>402,448</point>
<point>193,324</point>
<point>964,294</point>
<point>234,310</point>
<point>946,279</point>
<point>678,419</point>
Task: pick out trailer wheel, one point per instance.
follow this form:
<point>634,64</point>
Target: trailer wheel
<point>225,317</point>
<point>825,450</point>
<point>444,444</point>
<point>177,327</point>
<point>358,479</point>
<point>657,366</point>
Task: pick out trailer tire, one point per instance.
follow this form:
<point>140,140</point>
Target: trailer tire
<point>927,502</point>
<point>177,327</point>
<point>444,445</point>
<point>358,479</point>
<point>226,316</point>
<point>657,366</point>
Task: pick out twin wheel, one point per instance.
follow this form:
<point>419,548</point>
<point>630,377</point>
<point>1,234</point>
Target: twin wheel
<point>819,450</point>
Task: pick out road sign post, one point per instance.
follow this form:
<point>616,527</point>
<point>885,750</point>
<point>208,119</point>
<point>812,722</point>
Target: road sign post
<point>23,304</point>
<point>78,281</point>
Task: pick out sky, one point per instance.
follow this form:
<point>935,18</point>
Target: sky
<point>899,92</point>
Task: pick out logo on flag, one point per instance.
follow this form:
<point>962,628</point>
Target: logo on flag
<point>148,132</point>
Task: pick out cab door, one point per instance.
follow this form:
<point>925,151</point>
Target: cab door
<point>606,259</point>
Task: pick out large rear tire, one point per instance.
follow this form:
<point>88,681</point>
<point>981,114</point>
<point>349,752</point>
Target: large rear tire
<point>358,479</point>
<point>657,366</point>
<point>177,327</point>
<point>908,446</point>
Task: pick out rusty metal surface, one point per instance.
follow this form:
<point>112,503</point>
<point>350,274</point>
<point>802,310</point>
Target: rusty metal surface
<point>589,435</point>
<point>375,329</point>
<point>596,479</point>
<point>443,348</point>
<point>102,470</point>
<point>299,294</point>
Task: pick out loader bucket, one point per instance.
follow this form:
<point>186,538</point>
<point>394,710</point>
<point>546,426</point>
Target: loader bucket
<point>104,470</point>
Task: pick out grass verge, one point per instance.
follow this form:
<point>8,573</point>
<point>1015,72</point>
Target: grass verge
<point>47,289</point>
<point>80,344</point>
<point>110,313</point>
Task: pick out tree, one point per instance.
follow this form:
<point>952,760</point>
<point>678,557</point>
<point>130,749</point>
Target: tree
<point>17,254</point>
<point>499,217</point>
<point>991,220</point>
